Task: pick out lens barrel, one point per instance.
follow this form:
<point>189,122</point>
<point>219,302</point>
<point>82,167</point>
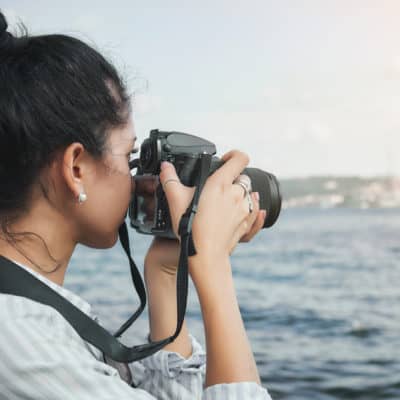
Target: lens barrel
<point>268,188</point>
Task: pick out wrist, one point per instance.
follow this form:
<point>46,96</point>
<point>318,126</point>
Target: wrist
<point>208,272</point>
<point>160,285</point>
<point>155,269</point>
<point>161,288</point>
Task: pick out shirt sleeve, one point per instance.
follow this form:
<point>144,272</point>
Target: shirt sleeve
<point>236,391</point>
<point>168,375</point>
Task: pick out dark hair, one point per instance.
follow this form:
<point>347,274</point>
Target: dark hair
<point>54,90</point>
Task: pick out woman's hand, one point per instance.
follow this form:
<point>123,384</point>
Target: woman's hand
<point>163,254</point>
<point>256,220</point>
<point>223,217</point>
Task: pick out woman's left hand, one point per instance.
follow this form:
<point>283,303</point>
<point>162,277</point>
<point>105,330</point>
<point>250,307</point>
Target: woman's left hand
<point>160,269</point>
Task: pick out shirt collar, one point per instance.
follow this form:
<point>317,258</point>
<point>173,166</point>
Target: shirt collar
<point>77,301</point>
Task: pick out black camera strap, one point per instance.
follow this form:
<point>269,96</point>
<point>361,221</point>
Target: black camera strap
<point>17,281</point>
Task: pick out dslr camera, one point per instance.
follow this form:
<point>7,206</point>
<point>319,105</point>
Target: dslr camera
<point>148,209</point>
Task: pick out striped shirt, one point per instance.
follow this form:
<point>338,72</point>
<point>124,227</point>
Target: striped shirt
<point>43,357</point>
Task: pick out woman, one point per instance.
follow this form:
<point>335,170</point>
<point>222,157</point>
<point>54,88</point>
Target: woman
<point>66,136</point>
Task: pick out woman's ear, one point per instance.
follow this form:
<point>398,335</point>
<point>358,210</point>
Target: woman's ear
<point>75,164</point>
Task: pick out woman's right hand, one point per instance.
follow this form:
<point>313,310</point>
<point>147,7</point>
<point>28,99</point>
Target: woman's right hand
<point>223,217</point>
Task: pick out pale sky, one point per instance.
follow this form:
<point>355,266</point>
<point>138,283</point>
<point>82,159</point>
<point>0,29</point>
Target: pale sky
<point>306,87</point>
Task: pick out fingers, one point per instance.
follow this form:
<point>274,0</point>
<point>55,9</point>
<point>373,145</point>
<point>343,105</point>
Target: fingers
<point>170,181</point>
<point>256,208</point>
<point>172,187</point>
<point>178,195</point>
<point>235,162</point>
<point>250,217</point>
<point>241,200</point>
<point>255,220</point>
<point>246,231</point>
<point>247,222</point>
<point>257,226</point>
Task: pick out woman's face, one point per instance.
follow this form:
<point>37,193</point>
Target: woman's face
<point>109,190</point>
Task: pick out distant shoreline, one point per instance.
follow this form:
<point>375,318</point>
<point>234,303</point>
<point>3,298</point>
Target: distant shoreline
<point>341,192</point>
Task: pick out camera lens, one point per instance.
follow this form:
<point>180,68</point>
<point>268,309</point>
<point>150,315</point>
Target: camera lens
<point>268,188</point>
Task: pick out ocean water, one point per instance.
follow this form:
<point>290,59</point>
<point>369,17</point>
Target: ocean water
<point>319,294</point>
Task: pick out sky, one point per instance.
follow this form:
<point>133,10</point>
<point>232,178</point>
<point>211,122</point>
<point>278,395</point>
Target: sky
<point>306,87</point>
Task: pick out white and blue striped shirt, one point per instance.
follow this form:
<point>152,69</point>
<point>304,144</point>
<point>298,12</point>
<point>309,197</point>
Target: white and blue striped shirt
<point>43,357</point>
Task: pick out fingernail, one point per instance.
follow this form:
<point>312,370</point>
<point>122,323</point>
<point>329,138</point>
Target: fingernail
<point>257,196</point>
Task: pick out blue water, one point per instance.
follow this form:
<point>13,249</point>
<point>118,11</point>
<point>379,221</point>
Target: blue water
<point>319,294</point>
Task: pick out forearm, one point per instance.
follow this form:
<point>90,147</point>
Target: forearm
<point>161,289</point>
<point>229,355</point>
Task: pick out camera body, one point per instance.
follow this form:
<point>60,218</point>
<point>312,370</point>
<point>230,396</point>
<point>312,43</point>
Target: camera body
<point>148,210</point>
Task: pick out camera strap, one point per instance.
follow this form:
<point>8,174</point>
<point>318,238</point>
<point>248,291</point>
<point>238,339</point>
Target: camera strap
<point>17,281</point>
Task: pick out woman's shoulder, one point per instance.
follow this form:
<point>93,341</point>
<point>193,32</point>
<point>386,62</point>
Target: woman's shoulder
<point>33,318</point>
<point>40,324</point>
<point>15,307</point>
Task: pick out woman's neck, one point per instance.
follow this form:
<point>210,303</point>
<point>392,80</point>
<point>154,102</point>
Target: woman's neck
<point>42,241</point>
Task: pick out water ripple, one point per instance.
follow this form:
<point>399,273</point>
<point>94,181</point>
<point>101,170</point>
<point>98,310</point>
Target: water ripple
<point>319,294</point>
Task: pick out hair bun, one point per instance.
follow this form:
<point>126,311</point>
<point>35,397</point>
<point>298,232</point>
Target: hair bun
<point>3,24</point>
<point>4,35</point>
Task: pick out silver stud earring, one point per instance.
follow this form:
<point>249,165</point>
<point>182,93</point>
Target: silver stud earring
<point>82,197</point>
